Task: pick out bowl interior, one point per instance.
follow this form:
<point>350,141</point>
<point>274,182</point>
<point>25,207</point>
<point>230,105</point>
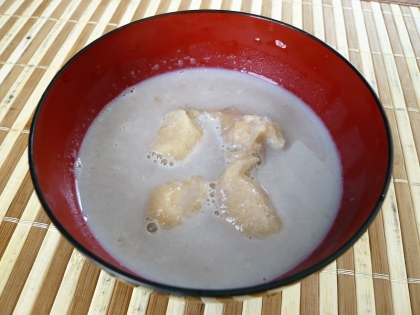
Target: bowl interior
<point>291,58</point>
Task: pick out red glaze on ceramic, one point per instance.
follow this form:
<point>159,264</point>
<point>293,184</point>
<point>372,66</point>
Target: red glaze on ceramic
<point>295,60</point>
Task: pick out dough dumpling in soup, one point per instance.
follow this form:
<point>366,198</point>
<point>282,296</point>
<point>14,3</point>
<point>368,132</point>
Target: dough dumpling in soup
<point>172,202</point>
<point>245,134</point>
<point>244,203</point>
<point>177,136</point>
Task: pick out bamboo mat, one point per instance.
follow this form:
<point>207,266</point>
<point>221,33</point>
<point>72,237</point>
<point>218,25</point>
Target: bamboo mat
<point>403,2</point>
<point>41,273</point>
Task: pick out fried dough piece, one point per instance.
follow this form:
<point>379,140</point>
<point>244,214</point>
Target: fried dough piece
<point>245,204</point>
<point>245,134</point>
<point>172,202</point>
<point>177,136</point>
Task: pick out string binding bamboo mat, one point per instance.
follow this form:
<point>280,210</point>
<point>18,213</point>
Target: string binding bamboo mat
<point>41,273</point>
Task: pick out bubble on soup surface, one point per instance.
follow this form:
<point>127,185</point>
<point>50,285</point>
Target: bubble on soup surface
<point>77,166</point>
<point>152,227</point>
<point>259,157</point>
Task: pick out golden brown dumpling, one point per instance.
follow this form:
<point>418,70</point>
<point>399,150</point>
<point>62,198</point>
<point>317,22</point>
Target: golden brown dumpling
<point>245,134</point>
<point>244,203</point>
<point>172,202</point>
<point>177,136</point>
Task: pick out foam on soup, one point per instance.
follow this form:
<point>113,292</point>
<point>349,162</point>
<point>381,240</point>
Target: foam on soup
<point>117,174</point>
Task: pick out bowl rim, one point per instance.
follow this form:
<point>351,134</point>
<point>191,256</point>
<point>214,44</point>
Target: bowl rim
<point>228,292</point>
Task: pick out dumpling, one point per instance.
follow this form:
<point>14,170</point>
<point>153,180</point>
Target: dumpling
<point>245,134</point>
<point>172,202</point>
<point>243,203</point>
<point>177,136</point>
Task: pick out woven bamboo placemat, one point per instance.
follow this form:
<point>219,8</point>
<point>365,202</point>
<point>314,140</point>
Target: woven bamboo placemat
<point>403,2</point>
<point>41,273</point>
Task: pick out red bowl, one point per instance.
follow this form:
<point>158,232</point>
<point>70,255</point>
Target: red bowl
<point>307,67</point>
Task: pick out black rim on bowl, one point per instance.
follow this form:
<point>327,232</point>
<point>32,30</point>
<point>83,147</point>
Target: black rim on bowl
<point>209,292</point>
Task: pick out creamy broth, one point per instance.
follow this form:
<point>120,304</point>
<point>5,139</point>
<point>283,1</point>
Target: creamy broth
<point>115,178</point>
